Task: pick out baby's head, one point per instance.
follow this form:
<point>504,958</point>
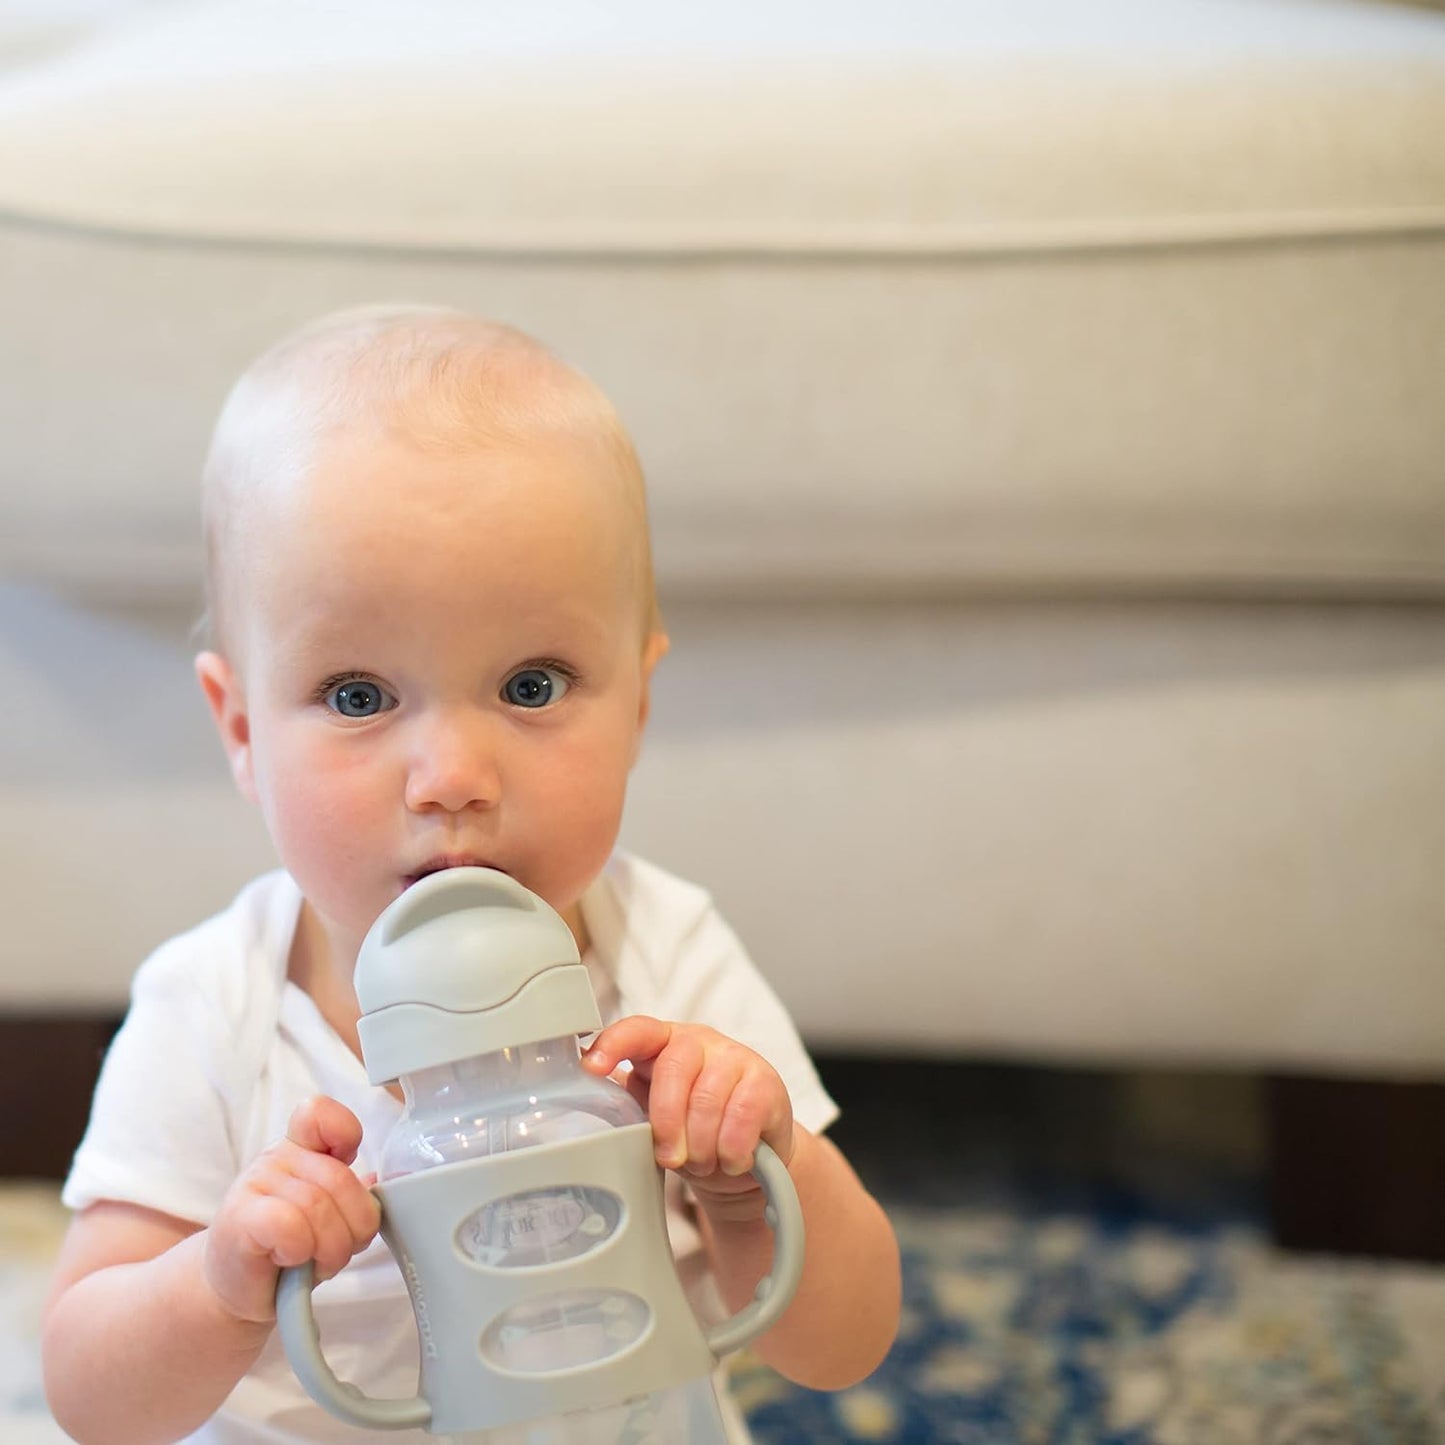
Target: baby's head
<point>444,380</point>
<point>430,589</point>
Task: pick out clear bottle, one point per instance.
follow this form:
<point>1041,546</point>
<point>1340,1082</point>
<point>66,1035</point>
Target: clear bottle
<point>520,1097</point>
<point>569,1325</point>
<point>512,1098</point>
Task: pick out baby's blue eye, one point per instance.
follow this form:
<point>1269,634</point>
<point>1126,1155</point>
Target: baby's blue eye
<point>359,698</point>
<point>534,687</point>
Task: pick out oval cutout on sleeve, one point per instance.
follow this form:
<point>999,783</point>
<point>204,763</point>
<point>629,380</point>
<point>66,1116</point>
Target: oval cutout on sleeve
<point>540,1227</point>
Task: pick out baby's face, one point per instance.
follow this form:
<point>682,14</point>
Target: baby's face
<point>442,661</point>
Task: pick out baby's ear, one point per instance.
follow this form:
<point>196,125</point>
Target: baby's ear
<point>228,706</point>
<point>653,651</point>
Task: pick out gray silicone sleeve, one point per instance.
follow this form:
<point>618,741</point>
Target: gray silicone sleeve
<point>459,1390</point>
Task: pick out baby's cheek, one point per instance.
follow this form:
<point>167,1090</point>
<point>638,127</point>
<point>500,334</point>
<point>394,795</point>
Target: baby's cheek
<point>323,827</point>
<point>584,814</point>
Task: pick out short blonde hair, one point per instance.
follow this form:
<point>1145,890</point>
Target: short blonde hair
<point>447,379</point>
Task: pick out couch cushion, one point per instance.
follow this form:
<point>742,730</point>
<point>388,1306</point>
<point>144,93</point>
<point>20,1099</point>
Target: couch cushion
<point>1138,294</point>
<point>652,127</point>
<point>33,29</point>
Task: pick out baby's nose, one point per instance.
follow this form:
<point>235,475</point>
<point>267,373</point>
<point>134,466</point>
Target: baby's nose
<point>453,766</point>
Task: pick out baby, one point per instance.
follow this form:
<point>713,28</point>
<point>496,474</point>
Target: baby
<point>431,599</point>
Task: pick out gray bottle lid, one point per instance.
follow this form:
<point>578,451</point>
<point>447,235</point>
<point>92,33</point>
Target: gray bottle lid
<point>466,962</point>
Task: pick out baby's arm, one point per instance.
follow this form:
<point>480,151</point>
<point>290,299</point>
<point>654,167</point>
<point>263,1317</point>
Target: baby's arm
<point>151,1321</point>
<point>710,1100</point>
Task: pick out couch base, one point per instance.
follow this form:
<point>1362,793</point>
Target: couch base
<point>1160,833</point>
<point>1356,1166</point>
<point>49,1063</point>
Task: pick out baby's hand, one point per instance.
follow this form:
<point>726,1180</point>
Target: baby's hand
<point>710,1099</point>
<point>298,1201</point>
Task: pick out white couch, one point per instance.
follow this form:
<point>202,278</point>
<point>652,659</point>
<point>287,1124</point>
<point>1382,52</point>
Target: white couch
<point>1044,409</point>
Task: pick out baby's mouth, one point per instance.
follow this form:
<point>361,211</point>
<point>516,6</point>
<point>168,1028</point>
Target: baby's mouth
<point>444,861</point>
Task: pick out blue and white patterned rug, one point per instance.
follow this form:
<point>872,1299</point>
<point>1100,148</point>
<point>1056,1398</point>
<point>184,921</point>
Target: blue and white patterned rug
<point>1021,1328</point>
<point>1060,1330</point>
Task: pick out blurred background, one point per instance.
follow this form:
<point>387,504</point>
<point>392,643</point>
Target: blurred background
<point>1044,414</point>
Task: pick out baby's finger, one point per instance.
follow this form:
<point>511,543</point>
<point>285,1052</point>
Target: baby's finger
<point>711,1092</point>
<point>758,1109</point>
<point>674,1073</point>
<point>355,1202</point>
<point>639,1039</point>
<point>324,1126</point>
<point>331,1238</point>
<point>275,1229</point>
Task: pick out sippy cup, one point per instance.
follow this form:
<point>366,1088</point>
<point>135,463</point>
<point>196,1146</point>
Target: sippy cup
<point>520,1195</point>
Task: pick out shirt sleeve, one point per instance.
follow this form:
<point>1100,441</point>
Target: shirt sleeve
<point>160,1133</point>
<point>713,981</point>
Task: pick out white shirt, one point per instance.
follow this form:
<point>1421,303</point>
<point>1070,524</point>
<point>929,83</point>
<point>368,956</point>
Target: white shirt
<point>219,1047</point>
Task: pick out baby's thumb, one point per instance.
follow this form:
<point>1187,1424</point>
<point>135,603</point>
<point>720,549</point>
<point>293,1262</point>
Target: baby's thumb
<point>324,1126</point>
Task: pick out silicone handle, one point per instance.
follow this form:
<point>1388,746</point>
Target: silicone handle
<point>776,1289</point>
<point>297,1323</point>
